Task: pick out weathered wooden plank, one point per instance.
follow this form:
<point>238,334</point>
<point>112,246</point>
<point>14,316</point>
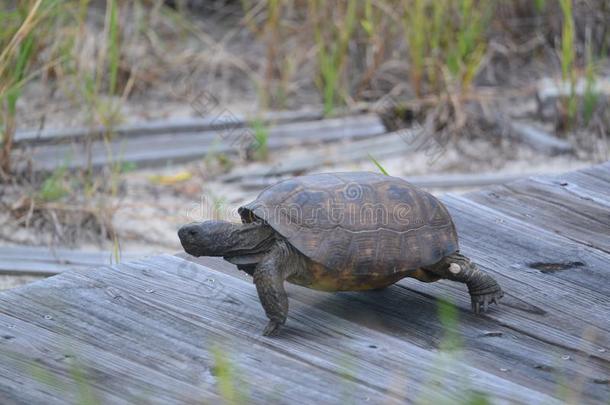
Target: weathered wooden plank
<point>536,138</point>
<point>432,181</point>
<point>600,171</point>
<point>551,206</point>
<point>185,146</point>
<point>34,268</point>
<point>511,235</point>
<point>379,146</point>
<point>384,146</point>
<point>405,312</point>
<point>575,194</point>
<point>592,182</point>
<point>225,120</point>
<point>159,317</point>
<point>451,180</point>
<point>550,90</point>
<point>315,324</point>
<point>558,307</point>
<point>30,260</point>
<point>217,304</point>
<point>39,365</point>
<point>142,338</point>
<point>322,305</point>
<point>67,256</point>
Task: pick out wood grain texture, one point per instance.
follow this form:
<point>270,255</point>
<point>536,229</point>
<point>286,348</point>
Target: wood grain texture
<point>147,330</point>
<point>561,206</point>
<point>260,178</point>
<point>221,121</point>
<point>179,146</point>
<point>165,313</point>
<point>41,261</point>
<point>380,146</point>
<point>536,138</point>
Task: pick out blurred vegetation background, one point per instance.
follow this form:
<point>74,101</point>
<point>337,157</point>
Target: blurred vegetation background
<point>454,65</point>
<point>98,54</point>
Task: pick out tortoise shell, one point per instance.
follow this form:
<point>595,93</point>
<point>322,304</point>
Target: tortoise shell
<point>358,223</point>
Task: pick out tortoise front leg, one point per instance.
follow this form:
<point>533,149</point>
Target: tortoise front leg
<point>483,288</point>
<point>269,279</point>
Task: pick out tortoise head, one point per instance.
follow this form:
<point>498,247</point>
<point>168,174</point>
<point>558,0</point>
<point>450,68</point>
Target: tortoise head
<point>209,238</point>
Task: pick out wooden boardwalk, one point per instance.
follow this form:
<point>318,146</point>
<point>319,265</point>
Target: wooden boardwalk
<point>162,143</point>
<point>37,261</point>
<point>171,329</point>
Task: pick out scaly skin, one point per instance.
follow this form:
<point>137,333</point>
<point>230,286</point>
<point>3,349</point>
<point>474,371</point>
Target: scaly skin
<point>271,260</point>
<point>269,279</point>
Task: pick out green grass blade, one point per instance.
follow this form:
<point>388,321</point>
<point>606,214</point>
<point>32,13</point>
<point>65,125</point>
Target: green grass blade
<point>379,166</point>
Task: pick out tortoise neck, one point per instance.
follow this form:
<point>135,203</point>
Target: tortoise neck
<point>249,239</point>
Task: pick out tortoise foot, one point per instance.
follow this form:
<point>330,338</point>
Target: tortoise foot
<point>480,302</point>
<point>272,329</point>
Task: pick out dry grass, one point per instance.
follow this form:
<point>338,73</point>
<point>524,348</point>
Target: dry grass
<point>67,217</point>
<point>336,54</point>
<point>435,59</point>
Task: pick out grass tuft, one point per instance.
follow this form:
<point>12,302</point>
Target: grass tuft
<point>334,25</point>
<point>445,35</point>
<point>591,95</point>
<point>261,140</point>
<point>568,57</point>
<point>114,50</point>
<point>54,187</point>
<point>18,40</point>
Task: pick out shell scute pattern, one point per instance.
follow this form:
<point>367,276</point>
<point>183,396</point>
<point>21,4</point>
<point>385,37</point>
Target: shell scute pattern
<point>358,224</point>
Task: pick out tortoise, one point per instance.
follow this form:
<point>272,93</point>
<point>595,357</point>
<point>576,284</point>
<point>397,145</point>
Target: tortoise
<point>350,231</point>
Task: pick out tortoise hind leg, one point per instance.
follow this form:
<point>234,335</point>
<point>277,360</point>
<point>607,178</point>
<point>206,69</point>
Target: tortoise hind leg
<point>269,277</point>
<point>483,288</point>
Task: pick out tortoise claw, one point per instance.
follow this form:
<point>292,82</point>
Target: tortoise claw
<point>272,329</point>
<point>480,303</point>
